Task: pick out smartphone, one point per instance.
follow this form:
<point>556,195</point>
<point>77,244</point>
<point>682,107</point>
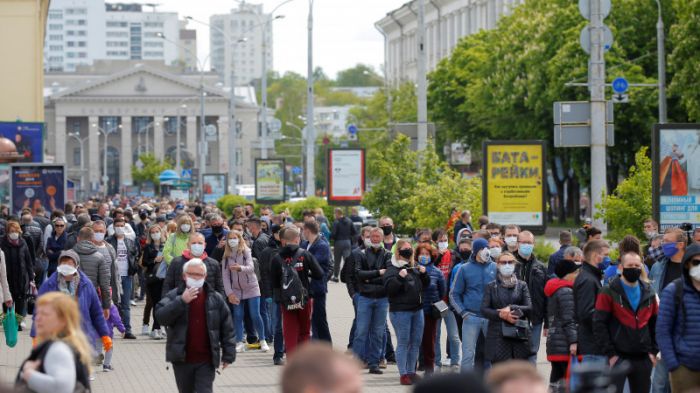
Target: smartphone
<point>517,313</point>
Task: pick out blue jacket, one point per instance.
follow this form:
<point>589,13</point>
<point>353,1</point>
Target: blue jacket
<point>554,259</point>
<point>91,318</point>
<point>436,290</point>
<point>677,331</point>
<point>321,250</point>
<point>469,285</point>
<point>657,274</point>
<point>211,240</point>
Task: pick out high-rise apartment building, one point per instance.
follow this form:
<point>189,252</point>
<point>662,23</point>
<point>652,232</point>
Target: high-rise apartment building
<point>247,22</point>
<point>81,31</point>
<point>187,49</point>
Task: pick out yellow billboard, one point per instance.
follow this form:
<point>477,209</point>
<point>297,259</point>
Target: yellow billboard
<point>514,183</point>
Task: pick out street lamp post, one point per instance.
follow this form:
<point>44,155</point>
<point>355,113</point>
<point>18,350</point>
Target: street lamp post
<point>301,156</point>
<point>661,52</point>
<point>310,130</point>
<point>81,142</point>
<point>146,128</point>
<point>105,133</point>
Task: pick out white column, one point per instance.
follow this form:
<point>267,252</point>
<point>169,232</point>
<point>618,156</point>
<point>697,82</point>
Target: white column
<point>191,138</point>
<point>158,137</point>
<point>491,14</point>
<point>223,145</point>
<point>126,153</point>
<point>93,151</point>
<point>61,139</point>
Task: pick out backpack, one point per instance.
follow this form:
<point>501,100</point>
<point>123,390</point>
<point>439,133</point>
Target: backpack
<point>678,300</point>
<point>294,295</point>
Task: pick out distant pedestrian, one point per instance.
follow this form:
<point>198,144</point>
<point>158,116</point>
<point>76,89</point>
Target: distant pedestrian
<point>342,234</point>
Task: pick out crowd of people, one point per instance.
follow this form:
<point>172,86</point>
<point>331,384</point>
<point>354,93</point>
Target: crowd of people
<point>219,283</point>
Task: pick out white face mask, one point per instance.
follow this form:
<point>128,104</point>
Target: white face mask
<point>99,236</point>
<point>193,283</point>
<point>695,273</point>
<point>442,246</point>
<point>376,245</point>
<point>66,270</point>
<point>511,241</point>
<point>185,228</point>
<point>233,243</point>
<point>155,236</point>
<point>119,231</point>
<point>485,255</point>
<point>506,270</point>
<point>197,249</point>
<point>14,236</point>
<point>495,252</point>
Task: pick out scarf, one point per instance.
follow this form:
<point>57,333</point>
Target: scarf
<point>68,289</point>
<point>508,282</point>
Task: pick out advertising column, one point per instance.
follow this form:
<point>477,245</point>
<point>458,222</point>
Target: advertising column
<point>346,176</point>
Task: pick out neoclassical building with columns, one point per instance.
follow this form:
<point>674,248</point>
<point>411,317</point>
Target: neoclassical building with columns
<point>137,106</point>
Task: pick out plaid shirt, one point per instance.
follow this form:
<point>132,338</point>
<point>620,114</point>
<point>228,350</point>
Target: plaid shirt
<point>655,253</point>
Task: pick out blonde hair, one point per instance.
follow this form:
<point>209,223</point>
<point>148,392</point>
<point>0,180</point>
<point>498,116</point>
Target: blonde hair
<point>170,228</point>
<point>242,245</point>
<point>163,235</point>
<point>399,244</point>
<point>72,334</point>
<point>185,219</point>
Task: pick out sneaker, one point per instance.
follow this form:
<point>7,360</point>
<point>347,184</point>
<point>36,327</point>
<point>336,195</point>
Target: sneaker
<point>106,368</point>
<point>92,377</point>
<point>334,279</point>
<point>100,359</point>
<point>255,345</point>
<point>129,336</point>
<point>278,361</point>
<point>376,371</point>
<point>23,325</point>
<point>406,380</point>
<point>240,347</point>
<point>133,303</point>
<point>382,364</point>
<point>144,330</point>
<point>263,346</point>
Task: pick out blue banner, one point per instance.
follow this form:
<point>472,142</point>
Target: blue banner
<point>35,186</point>
<point>27,137</point>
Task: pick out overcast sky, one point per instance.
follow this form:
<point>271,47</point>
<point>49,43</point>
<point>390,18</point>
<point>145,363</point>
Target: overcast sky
<point>344,32</point>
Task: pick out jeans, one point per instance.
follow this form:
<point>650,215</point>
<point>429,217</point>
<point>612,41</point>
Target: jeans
<point>125,302</point>
<point>471,327</point>
<point>599,359</point>
<point>341,250</point>
<point>253,307</point>
<point>452,340</point>
<point>265,314</point>
<point>276,323</point>
<point>108,357</point>
<point>319,320</point>
<point>370,329</point>
<point>194,377</point>
<point>354,321</point>
<point>535,342</point>
<point>408,326</point>
<point>660,382</point>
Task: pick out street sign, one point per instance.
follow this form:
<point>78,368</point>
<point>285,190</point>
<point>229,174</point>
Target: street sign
<point>620,85</point>
<point>579,135</point>
<point>352,129</point>
<point>186,174</point>
<point>576,112</point>
<point>584,6</point>
<point>296,170</point>
<point>274,125</point>
<point>620,98</point>
<point>585,39</point>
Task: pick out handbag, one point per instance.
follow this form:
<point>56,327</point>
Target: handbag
<point>519,331</point>
<point>571,377</point>
<point>10,325</point>
<point>439,309</point>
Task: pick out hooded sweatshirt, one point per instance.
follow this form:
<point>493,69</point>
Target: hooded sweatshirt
<point>96,268</point>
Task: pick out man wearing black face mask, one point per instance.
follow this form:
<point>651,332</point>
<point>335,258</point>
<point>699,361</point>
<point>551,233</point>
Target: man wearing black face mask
<point>216,236</point>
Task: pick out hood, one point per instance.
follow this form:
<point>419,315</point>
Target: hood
<point>85,247</point>
<point>556,284</point>
<point>188,255</point>
<point>690,252</point>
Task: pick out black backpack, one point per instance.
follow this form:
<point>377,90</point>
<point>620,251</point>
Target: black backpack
<point>678,301</point>
<point>293,294</point>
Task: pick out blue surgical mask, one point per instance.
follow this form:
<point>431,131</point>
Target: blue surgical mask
<point>669,249</point>
<point>424,260</point>
<point>525,250</point>
<point>604,263</point>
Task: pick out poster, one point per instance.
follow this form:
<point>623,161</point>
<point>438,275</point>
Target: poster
<point>148,189</point>
<point>269,181</point>
<point>5,184</point>
<point>676,175</point>
<point>28,138</point>
<point>514,183</point>
<point>38,185</point>
<point>346,176</point>
<point>214,186</point>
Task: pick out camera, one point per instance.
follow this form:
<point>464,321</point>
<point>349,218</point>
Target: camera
<point>686,226</point>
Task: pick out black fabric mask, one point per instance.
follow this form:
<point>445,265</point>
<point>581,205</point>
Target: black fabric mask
<point>217,230</point>
<point>406,253</point>
<point>387,230</point>
<point>631,274</point>
<point>465,255</point>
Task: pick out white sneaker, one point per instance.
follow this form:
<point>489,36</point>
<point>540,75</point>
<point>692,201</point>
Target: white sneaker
<point>133,303</point>
<point>240,347</point>
<point>23,325</point>
<point>263,346</point>
<point>144,330</point>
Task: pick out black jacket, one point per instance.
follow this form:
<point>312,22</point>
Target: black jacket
<point>343,229</point>
<point>174,275</point>
<point>534,273</point>
<point>347,274</point>
<point>311,269</point>
<point>586,289</point>
<point>265,263</point>
<point>496,296</point>
<point>562,321</point>
<point>367,267</point>
<point>150,253</point>
<point>36,235</point>
<point>132,252</point>
<point>405,293</point>
<point>172,312</point>
<point>19,266</point>
<point>259,245</point>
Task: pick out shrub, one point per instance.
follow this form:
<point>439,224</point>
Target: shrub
<point>543,250</point>
<point>228,202</point>
<point>297,208</point>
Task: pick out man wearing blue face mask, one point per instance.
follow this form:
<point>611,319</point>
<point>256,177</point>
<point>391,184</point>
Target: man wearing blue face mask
<point>534,273</point>
<point>664,272</point>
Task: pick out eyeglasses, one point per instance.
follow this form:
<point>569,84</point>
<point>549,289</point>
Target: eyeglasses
<point>59,226</point>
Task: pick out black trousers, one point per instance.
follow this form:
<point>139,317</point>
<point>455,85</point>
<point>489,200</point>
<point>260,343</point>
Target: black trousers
<point>639,374</point>
<point>194,377</point>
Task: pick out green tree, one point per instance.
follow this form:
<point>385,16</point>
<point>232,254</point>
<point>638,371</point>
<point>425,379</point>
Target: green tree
<point>358,76</point>
<point>630,204</point>
<point>685,57</point>
<point>152,168</point>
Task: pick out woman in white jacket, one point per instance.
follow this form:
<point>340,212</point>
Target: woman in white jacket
<point>5,296</point>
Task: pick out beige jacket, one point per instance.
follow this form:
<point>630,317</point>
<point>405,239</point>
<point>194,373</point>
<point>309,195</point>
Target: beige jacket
<point>4,287</point>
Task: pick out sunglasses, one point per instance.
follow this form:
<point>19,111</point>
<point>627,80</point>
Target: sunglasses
<point>508,262</point>
<point>695,262</point>
<point>59,226</point>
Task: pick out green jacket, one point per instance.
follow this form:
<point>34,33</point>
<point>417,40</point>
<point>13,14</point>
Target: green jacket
<point>175,245</point>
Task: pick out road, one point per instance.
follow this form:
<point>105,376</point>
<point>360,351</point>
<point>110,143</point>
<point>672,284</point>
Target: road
<point>140,364</point>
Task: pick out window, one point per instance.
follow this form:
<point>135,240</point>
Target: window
<point>117,53</point>
<point>82,33</point>
<point>76,11</point>
<point>111,34</point>
<point>116,24</point>
<point>55,15</point>
<point>153,54</point>
<point>76,127</point>
<point>71,55</point>
<point>76,156</point>
<point>82,44</point>
<point>56,37</point>
<point>55,27</point>
<point>56,47</point>
<point>153,24</point>
<point>113,44</point>
<point>153,44</point>
<point>56,59</point>
<point>70,44</point>
<point>70,33</point>
<point>82,55</point>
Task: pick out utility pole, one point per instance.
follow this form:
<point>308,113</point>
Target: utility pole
<point>661,52</point>
<point>202,143</point>
<point>421,79</point>
<point>310,129</point>
<point>596,74</point>
<point>263,92</point>
<point>232,133</point>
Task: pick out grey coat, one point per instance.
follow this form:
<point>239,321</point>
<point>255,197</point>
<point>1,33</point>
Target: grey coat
<point>98,270</point>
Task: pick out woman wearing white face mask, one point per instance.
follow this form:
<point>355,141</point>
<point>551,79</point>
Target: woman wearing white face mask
<point>152,258</point>
<point>177,242</point>
<point>506,305</point>
<point>19,266</point>
<point>241,283</point>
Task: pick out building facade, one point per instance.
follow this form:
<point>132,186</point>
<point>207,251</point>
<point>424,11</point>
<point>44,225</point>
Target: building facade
<point>187,49</point>
<point>248,22</point>
<point>138,107</point>
<point>82,31</point>
<point>331,120</point>
<point>446,21</point>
